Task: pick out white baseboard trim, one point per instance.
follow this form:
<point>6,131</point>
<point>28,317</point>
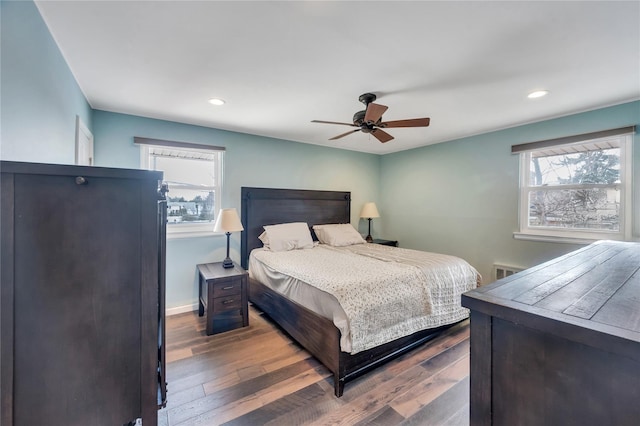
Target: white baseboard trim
<point>181,309</point>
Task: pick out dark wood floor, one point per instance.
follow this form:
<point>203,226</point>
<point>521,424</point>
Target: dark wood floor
<point>258,376</point>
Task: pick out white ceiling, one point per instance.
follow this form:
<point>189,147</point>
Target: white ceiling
<point>466,65</point>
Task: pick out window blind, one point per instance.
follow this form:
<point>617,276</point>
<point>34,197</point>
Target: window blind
<point>174,144</point>
<point>565,143</point>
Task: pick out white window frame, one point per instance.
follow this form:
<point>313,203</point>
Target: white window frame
<point>553,234</point>
<point>187,230</point>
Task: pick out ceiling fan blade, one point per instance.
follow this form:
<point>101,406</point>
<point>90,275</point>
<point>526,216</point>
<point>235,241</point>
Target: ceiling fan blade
<point>344,134</point>
<point>381,135</point>
<point>414,122</point>
<point>333,122</point>
<point>374,112</point>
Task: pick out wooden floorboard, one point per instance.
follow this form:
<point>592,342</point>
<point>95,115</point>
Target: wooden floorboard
<point>257,375</point>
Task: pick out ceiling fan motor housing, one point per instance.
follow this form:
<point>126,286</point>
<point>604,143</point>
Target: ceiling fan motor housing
<point>358,120</point>
<point>358,117</point>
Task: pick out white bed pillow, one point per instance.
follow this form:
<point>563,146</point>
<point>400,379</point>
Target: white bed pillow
<point>265,239</point>
<point>287,236</point>
<point>338,235</point>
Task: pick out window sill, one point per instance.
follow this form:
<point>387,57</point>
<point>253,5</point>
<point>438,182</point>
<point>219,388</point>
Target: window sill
<point>180,235</point>
<point>558,239</point>
<point>190,230</point>
<point>192,234</point>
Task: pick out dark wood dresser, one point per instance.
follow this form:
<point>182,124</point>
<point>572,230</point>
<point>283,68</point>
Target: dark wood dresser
<point>559,343</point>
<point>82,295</point>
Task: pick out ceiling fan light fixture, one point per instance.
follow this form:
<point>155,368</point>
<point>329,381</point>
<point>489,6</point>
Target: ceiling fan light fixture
<point>216,101</point>
<point>537,94</point>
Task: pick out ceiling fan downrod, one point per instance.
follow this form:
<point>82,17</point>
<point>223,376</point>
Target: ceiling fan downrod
<point>367,98</point>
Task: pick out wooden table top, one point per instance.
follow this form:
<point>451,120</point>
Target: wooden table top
<point>210,271</point>
<point>596,287</point>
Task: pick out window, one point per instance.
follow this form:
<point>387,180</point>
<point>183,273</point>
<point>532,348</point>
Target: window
<point>193,174</point>
<point>577,188</point>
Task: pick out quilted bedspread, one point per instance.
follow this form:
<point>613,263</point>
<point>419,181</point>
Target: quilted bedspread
<point>386,292</point>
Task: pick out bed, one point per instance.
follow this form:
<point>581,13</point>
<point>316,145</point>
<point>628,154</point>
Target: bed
<point>317,333</point>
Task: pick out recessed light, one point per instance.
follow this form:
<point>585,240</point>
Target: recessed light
<point>216,101</point>
<point>537,94</point>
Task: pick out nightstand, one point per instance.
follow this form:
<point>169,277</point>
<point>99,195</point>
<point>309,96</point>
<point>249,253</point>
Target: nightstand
<point>223,297</point>
<point>386,242</point>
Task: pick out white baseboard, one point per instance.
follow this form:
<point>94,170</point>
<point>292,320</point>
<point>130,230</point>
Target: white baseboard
<point>181,309</point>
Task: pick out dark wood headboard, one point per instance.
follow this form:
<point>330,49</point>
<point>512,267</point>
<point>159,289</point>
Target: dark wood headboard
<point>267,206</point>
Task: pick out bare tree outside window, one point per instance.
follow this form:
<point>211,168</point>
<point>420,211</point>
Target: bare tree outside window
<point>576,188</point>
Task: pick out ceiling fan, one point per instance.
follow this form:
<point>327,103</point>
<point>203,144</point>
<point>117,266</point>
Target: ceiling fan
<point>370,120</point>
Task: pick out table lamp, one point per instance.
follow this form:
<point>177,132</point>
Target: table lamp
<point>369,211</point>
<point>228,222</point>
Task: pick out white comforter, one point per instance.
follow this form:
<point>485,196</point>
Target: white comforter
<point>384,292</point>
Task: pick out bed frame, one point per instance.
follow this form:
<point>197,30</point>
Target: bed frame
<point>318,335</point>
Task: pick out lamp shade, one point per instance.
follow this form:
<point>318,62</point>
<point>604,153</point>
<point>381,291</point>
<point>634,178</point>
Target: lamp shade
<point>369,210</point>
<point>228,221</point>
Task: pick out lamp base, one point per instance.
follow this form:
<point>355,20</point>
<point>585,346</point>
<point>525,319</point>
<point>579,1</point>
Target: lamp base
<point>369,239</point>
<point>227,262</point>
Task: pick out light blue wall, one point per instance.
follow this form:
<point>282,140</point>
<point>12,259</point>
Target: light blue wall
<point>248,161</point>
<point>40,97</point>
<point>461,197</point>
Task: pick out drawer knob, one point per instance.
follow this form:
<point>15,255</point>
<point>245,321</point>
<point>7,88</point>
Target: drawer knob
<point>226,302</point>
<point>227,288</point>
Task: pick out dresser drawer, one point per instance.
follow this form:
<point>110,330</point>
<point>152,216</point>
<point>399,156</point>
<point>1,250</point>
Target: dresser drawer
<point>227,288</point>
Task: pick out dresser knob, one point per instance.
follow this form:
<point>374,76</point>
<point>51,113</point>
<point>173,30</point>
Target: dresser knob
<point>81,180</point>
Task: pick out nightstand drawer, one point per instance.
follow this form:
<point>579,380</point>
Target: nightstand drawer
<point>227,288</point>
<point>227,303</point>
